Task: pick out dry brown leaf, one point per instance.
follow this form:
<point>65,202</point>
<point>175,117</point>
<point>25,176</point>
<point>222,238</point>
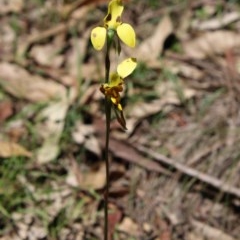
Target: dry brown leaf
<point>51,129</point>
<point>194,236</point>
<point>11,149</point>
<point>129,227</point>
<point>168,98</point>
<point>91,179</point>
<point>81,132</point>
<point>6,40</point>
<point>10,6</point>
<point>6,110</point>
<point>89,94</point>
<point>143,109</point>
<point>211,43</point>
<point>78,50</point>
<point>84,134</point>
<point>149,50</point>
<point>190,71</point>
<point>94,179</point>
<point>91,71</point>
<point>77,5</point>
<point>180,65</point>
<point>218,22</point>
<point>152,47</point>
<point>47,55</point>
<point>114,217</point>
<point>36,232</point>
<point>21,84</point>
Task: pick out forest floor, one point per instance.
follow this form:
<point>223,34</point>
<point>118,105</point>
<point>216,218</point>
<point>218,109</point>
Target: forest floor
<point>175,173</point>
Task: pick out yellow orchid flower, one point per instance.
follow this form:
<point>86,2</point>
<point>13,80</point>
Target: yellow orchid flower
<point>112,22</point>
<point>115,85</point>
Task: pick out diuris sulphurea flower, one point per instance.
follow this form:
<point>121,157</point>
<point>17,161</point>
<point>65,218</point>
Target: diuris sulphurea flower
<point>113,88</point>
<point>113,24</point>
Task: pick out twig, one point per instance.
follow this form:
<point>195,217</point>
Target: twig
<point>191,172</point>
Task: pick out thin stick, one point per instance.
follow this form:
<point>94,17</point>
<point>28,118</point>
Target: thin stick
<point>227,188</point>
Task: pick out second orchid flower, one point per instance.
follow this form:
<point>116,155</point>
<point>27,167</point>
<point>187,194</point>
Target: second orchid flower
<point>115,84</point>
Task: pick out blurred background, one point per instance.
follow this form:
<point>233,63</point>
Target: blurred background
<point>175,173</point>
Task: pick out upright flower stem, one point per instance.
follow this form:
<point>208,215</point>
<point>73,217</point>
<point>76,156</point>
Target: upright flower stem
<point>108,120</point>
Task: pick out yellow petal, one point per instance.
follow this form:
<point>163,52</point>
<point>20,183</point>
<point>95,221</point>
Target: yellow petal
<point>119,106</point>
<point>115,80</point>
<point>127,34</point>
<point>98,37</point>
<point>126,67</point>
<point>114,100</point>
<point>113,18</point>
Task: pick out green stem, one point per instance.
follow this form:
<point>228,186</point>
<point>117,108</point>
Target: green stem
<point>108,120</point>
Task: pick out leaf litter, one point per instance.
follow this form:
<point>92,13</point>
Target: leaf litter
<point>175,172</point>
